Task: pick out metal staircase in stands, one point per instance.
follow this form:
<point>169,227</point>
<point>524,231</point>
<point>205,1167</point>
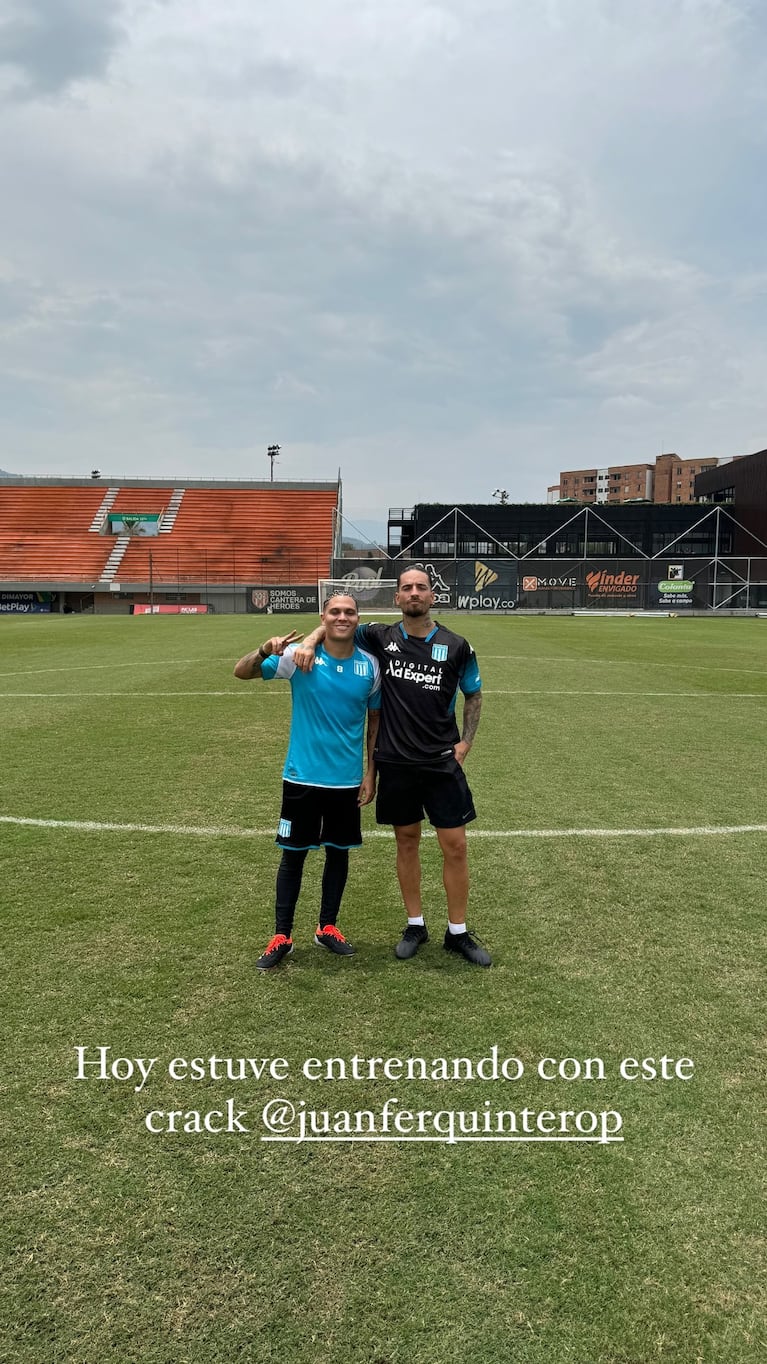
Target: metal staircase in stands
<point>113,562</point>
<point>97,524</point>
<point>171,512</point>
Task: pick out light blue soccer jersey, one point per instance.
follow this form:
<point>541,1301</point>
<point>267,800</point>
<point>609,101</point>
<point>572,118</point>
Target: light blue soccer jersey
<point>328,721</point>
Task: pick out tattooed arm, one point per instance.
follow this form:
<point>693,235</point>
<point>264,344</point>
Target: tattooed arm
<point>472,705</point>
<point>249,665</point>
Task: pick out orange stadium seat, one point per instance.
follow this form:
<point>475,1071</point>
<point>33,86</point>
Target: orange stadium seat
<point>220,535</point>
<point>44,533</point>
<point>72,557</point>
<point>142,499</point>
<point>240,536</point>
<point>35,510</point>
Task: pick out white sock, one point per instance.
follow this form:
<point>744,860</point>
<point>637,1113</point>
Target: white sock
<point>456,928</point>
<point>415,923</point>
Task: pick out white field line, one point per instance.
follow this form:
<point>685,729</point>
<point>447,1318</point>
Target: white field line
<point>537,691</point>
<point>283,691</point>
<point>137,695</point>
<point>232,831</point>
<point>500,658</point>
<point>610,663</point>
<point>94,667</point>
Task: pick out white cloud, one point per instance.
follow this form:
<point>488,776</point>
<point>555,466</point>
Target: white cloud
<point>45,45</point>
<point>372,230</point>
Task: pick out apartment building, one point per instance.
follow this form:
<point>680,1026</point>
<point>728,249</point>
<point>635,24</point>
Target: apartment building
<point>669,479</point>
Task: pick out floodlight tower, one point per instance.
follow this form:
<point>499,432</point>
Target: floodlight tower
<point>272,453</point>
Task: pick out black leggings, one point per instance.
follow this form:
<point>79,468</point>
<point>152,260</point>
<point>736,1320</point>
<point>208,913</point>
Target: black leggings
<point>289,875</point>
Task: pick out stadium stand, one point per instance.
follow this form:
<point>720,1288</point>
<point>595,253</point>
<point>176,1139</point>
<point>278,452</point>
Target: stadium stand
<point>44,533</point>
<point>243,536</point>
<point>26,510</point>
<point>57,533</point>
<point>142,499</point>
<point>42,559</point>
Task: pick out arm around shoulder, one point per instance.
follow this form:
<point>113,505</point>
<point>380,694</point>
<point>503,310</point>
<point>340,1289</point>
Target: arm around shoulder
<point>304,654</point>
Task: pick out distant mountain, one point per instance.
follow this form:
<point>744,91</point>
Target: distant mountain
<point>374,530</point>
<point>362,546</point>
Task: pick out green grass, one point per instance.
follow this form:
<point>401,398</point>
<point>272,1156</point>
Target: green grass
<point>164,1249</point>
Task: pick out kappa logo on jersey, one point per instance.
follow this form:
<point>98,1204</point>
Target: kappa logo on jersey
<point>320,662</point>
<point>284,827</point>
<point>483,576</point>
<point>439,652</point>
<point>361,668</point>
<point>392,648</point>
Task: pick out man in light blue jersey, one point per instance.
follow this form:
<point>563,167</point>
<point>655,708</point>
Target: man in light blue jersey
<point>324,785</point>
<point>420,755</point>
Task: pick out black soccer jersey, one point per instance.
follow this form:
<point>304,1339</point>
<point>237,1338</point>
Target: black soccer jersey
<point>420,679</point>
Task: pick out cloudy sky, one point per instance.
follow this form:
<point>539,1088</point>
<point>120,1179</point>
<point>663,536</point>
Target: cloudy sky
<point>445,245</point>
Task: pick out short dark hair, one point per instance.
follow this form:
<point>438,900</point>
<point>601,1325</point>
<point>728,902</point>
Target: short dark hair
<point>339,593</point>
<point>412,568</point>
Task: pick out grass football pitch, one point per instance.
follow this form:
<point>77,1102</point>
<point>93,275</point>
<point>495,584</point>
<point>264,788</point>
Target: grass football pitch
<point>546,1196</point>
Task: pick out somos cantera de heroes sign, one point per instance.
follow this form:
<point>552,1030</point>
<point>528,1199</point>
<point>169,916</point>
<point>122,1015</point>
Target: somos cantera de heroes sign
<point>280,600</point>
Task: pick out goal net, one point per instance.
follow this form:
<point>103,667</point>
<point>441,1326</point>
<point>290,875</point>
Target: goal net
<point>371,592</point>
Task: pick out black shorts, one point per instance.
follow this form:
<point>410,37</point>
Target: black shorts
<point>312,816</point>
<point>405,791</point>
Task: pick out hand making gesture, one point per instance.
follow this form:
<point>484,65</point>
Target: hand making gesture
<point>250,666</point>
<point>279,643</point>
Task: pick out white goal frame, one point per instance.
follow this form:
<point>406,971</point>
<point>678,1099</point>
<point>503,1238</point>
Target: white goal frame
<point>374,596</point>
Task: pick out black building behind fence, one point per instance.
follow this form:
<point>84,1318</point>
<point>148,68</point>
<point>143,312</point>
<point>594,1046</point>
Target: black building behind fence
<point>742,484</point>
<point>563,557</point>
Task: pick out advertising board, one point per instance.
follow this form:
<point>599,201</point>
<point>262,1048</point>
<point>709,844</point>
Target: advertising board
<point>281,600</point>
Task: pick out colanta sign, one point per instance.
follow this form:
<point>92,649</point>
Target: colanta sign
<point>681,586</point>
<point>676,589</point>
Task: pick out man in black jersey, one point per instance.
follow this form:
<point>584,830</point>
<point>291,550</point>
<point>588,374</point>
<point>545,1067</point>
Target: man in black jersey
<point>420,755</point>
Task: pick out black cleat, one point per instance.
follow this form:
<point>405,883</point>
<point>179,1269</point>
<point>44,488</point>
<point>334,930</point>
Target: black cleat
<point>279,947</point>
<point>334,940</point>
<point>411,940</point>
<point>468,947</point>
